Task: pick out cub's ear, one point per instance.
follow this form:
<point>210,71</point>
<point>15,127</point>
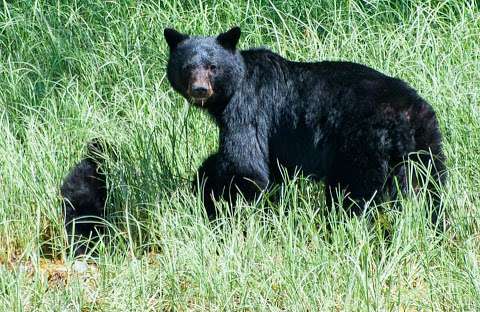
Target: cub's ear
<point>229,39</point>
<point>173,37</point>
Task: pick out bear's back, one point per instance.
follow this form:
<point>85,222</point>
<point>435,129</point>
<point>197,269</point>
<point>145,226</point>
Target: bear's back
<point>355,86</point>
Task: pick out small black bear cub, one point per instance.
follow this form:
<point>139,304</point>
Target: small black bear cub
<point>341,122</point>
<point>84,192</point>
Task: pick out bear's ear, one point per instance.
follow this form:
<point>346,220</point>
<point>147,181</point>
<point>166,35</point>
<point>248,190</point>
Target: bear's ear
<point>173,37</point>
<point>229,39</point>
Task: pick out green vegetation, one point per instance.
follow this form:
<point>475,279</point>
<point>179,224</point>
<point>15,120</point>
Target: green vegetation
<point>74,70</point>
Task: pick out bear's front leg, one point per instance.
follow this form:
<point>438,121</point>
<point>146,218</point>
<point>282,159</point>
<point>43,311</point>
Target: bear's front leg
<point>205,182</point>
<point>220,177</point>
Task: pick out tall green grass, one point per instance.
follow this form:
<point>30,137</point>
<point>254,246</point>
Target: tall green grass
<point>71,71</point>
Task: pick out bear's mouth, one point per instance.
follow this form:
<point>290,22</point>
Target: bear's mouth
<point>201,101</point>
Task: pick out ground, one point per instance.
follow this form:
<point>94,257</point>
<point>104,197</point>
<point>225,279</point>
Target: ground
<point>71,72</point>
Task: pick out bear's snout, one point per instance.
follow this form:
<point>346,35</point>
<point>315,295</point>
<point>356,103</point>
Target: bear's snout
<point>199,91</point>
<point>200,87</point>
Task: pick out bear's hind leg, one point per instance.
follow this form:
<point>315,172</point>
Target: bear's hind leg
<point>357,185</point>
<point>360,170</point>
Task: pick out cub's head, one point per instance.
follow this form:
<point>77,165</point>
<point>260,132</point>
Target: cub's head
<point>205,70</point>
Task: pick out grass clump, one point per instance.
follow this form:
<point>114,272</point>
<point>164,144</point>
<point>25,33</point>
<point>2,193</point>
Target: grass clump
<point>72,71</point>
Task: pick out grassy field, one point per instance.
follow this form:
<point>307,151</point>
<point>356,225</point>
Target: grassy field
<point>86,69</point>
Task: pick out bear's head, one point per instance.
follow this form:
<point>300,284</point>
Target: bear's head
<point>205,70</point>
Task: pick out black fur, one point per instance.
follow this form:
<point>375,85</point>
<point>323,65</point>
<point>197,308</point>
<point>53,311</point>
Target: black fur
<point>340,122</point>
<point>84,192</point>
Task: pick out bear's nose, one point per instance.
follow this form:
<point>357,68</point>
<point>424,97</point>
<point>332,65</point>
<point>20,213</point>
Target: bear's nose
<point>199,91</point>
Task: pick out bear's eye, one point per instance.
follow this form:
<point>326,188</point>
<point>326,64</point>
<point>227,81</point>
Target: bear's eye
<point>212,68</point>
<point>187,68</point>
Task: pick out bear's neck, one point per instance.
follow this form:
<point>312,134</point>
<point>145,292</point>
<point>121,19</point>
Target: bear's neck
<point>235,85</point>
<point>259,69</point>
<point>216,109</point>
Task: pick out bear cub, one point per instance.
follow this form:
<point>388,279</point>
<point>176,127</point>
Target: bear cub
<point>340,122</point>
<point>84,192</point>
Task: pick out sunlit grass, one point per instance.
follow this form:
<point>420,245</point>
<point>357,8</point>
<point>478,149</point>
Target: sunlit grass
<point>73,72</point>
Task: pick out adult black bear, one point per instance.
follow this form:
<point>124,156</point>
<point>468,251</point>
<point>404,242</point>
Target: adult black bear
<point>84,192</point>
<point>341,122</point>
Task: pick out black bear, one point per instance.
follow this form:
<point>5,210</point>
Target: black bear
<point>84,192</point>
<point>341,122</point>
